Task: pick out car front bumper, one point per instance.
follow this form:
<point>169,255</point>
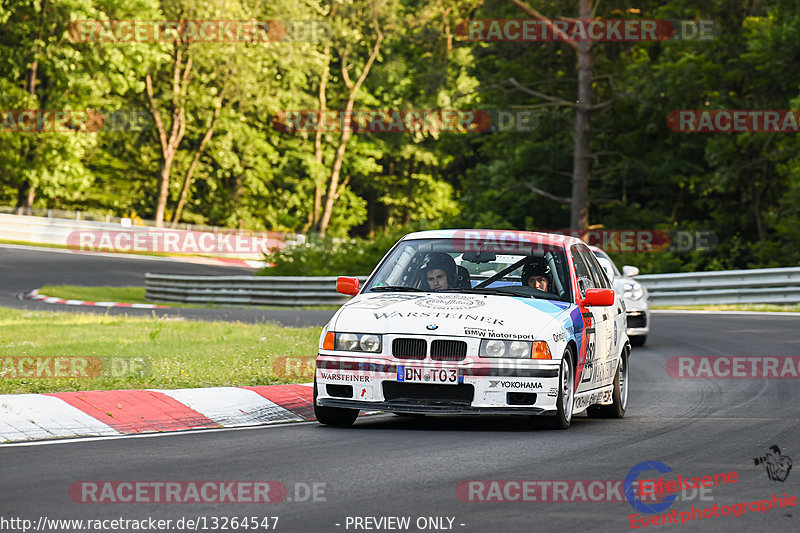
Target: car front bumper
<point>485,387</point>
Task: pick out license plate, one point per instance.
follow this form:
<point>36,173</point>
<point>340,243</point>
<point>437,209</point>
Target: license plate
<point>418,374</point>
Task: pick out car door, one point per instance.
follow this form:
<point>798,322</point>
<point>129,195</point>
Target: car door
<point>614,323</point>
<point>593,354</point>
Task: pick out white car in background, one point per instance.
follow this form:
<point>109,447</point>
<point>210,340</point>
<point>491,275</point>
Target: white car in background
<point>637,299</point>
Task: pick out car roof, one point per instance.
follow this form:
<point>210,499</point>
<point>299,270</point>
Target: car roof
<point>556,239</point>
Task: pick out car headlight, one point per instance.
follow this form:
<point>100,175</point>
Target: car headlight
<point>493,348</point>
<point>633,290</point>
<point>519,349</point>
<point>514,349</point>
<point>357,342</point>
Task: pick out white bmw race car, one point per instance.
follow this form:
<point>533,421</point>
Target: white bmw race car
<point>477,322</point>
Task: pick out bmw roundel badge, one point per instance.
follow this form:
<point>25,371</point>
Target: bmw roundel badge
<point>432,327</point>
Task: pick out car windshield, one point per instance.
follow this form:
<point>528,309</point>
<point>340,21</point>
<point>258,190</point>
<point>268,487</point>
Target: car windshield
<point>446,265</point>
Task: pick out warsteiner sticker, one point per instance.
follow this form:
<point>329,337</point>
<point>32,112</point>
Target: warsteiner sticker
<point>344,377</point>
<point>424,314</point>
<point>450,301</point>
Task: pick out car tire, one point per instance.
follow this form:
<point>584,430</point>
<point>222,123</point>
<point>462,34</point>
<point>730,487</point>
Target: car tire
<point>333,416</point>
<point>619,396</point>
<point>638,340</point>
<point>566,396</point>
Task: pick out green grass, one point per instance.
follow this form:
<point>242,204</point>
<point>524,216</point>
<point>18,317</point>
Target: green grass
<point>125,295</point>
<point>131,295</point>
<point>179,353</point>
<point>734,307</point>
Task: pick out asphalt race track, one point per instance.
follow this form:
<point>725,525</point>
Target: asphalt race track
<point>391,466</point>
<point>31,268</point>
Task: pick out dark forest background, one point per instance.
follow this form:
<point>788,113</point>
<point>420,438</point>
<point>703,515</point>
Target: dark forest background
<point>206,150</point>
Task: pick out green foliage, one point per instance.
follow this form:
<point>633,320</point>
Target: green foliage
<point>327,256</point>
<point>743,187</point>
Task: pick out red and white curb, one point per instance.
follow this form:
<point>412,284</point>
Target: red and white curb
<point>25,417</point>
<point>34,295</point>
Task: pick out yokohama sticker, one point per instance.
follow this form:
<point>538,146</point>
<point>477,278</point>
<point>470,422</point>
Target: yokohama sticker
<point>515,384</point>
<point>450,301</point>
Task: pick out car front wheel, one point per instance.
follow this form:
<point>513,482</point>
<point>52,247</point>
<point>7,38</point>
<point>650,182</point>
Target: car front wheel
<point>566,396</point>
<point>333,416</point>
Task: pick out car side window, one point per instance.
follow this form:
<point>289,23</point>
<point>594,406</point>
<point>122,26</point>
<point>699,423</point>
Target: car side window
<point>594,267</point>
<point>582,274</point>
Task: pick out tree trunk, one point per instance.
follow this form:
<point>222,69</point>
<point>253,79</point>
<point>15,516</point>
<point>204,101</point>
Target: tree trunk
<point>26,193</point>
<point>581,156</point>
<point>163,189</point>
<point>333,187</point>
<point>314,215</point>
<point>197,153</point>
<point>169,145</point>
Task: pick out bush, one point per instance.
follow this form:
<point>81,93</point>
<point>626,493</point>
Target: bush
<point>327,256</point>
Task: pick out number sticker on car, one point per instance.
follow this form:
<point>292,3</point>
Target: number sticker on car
<point>418,374</point>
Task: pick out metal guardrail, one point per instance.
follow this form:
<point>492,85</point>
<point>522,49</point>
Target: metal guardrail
<point>244,290</point>
<point>769,285</point>
<point>764,285</point>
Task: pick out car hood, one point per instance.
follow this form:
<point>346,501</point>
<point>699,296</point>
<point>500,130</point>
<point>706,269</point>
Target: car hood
<point>449,314</point>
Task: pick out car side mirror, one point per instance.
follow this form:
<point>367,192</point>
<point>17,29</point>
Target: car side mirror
<point>629,271</point>
<point>345,285</point>
<point>598,297</point>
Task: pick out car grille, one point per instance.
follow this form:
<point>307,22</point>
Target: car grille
<point>443,350</point>
<point>637,320</point>
<point>424,393</point>
<point>409,348</point>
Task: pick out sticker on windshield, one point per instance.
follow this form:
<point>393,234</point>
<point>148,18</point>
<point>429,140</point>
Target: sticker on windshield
<point>450,301</point>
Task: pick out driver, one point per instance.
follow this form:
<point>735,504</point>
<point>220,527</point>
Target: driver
<point>439,270</point>
<point>536,274</point>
